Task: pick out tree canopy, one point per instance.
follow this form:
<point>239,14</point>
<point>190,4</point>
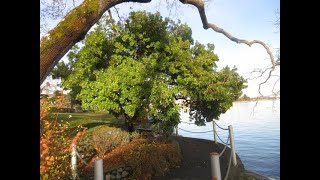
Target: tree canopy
<point>140,67</point>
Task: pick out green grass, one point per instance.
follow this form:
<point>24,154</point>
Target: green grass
<point>88,120</point>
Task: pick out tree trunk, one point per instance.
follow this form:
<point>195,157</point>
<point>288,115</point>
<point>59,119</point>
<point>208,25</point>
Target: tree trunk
<point>130,127</point>
<point>129,124</point>
<point>129,121</point>
<point>71,105</point>
<point>72,29</point>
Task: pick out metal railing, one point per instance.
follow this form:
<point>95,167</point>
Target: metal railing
<point>98,165</point>
<point>214,156</point>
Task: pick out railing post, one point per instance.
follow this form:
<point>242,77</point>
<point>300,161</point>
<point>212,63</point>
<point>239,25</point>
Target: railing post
<point>214,132</point>
<point>74,162</point>
<point>233,148</point>
<point>215,166</point>
<point>98,169</point>
<point>177,130</point>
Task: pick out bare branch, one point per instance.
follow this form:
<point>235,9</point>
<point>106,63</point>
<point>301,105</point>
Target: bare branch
<point>120,18</point>
<point>262,72</point>
<point>275,85</point>
<point>54,9</point>
<point>255,105</point>
<point>173,8</point>
<point>277,21</point>
<point>113,27</point>
<point>200,5</point>
<point>265,81</point>
<point>110,15</point>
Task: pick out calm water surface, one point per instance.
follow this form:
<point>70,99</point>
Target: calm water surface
<point>256,127</point>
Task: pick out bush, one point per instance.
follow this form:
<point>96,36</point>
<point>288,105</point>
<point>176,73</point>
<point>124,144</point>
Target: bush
<point>147,158</point>
<point>54,146</point>
<point>134,135</point>
<point>152,159</point>
<point>54,155</point>
<point>101,140</point>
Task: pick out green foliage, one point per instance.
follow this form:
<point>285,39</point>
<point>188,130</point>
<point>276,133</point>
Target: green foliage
<point>134,135</point>
<point>139,68</point>
<point>216,96</point>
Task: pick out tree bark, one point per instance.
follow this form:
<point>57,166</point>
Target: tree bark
<point>129,122</point>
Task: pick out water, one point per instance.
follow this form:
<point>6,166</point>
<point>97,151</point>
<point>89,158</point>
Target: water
<point>256,127</point>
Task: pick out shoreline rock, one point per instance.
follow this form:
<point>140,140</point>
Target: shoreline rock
<point>254,175</point>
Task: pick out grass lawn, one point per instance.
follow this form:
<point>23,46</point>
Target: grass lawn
<point>88,120</point>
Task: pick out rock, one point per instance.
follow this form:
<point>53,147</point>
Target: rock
<point>250,175</point>
<point>125,173</point>
<point>118,176</point>
<point>112,177</point>
<point>128,168</point>
<point>119,170</point>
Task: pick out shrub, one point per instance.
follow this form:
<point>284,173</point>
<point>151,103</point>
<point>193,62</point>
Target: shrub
<point>54,146</point>
<point>100,140</point>
<point>153,159</point>
<point>134,135</point>
<point>147,158</point>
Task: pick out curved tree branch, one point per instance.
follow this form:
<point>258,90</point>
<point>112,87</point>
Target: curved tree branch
<point>71,30</point>
<point>200,5</point>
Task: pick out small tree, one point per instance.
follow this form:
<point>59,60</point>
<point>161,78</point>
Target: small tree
<point>141,67</point>
<point>246,97</point>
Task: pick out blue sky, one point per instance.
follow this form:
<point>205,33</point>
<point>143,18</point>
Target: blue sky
<point>244,19</point>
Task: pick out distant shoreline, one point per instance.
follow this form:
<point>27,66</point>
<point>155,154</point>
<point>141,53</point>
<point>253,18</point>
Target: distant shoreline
<point>257,99</point>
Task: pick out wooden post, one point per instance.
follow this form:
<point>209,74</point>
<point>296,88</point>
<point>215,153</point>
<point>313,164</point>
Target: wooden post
<point>74,162</point>
<point>233,148</point>
<point>215,166</point>
<point>214,132</point>
<point>98,169</point>
<point>177,130</point>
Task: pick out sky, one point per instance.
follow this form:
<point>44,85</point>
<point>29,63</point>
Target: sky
<point>244,19</point>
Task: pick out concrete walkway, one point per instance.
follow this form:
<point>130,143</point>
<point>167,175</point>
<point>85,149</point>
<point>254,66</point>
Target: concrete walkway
<point>196,161</point>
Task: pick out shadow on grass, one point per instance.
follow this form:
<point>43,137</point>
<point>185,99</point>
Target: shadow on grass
<point>73,131</point>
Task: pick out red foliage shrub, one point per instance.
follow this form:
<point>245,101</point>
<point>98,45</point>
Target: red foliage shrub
<point>55,146</point>
<point>147,158</point>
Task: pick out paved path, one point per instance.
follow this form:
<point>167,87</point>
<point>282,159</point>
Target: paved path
<point>196,161</point>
